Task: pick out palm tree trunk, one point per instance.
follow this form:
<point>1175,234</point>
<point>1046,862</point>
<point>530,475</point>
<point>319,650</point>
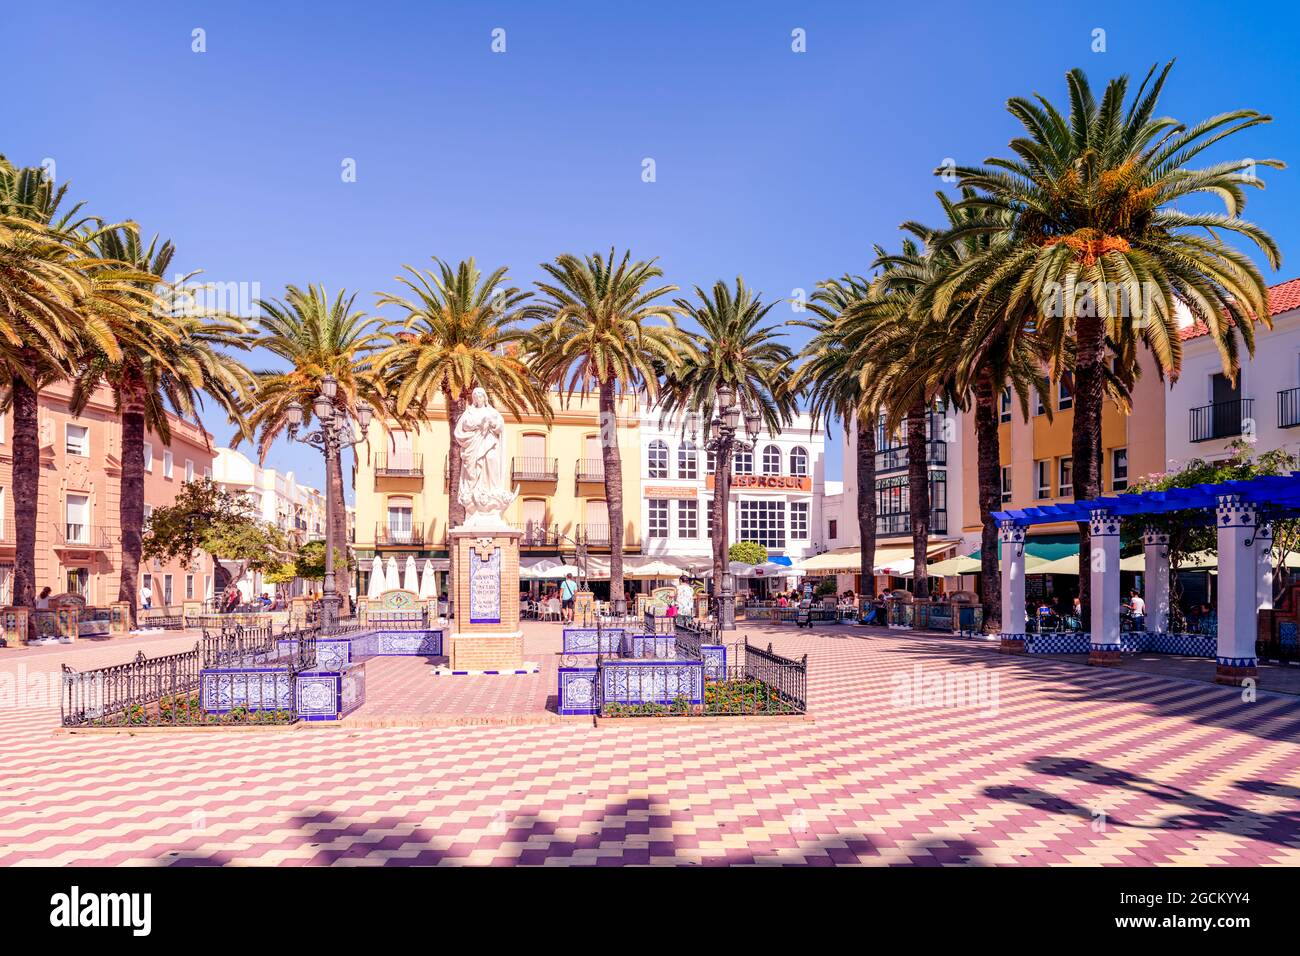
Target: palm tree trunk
<point>918,491</point>
<point>27,488</point>
<point>1089,382</point>
<point>866,466</point>
<point>989,480</point>
<point>613,488</point>
<point>456,511</point>
<point>130,509</point>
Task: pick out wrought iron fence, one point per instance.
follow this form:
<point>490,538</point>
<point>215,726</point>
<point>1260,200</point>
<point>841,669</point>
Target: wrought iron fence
<point>131,693</point>
<point>241,675</point>
<point>754,682</point>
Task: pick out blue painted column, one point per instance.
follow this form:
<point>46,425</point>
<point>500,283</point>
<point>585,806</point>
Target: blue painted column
<point>1155,544</point>
<point>1012,538</point>
<point>1103,530</point>
<point>1237,521</point>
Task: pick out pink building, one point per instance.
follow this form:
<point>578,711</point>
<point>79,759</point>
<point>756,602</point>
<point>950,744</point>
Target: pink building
<point>78,535</point>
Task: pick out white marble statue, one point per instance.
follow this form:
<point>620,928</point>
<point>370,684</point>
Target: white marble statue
<point>480,435</point>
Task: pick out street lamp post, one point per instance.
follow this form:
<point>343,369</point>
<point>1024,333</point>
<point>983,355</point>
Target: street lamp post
<point>724,441</point>
<point>331,438</point>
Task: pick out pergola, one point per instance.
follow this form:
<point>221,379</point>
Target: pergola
<point>1241,511</point>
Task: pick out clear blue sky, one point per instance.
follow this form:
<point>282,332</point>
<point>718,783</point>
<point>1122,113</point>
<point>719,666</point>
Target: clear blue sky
<point>783,167</point>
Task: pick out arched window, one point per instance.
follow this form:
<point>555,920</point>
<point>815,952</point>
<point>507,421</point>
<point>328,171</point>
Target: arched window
<point>688,460</point>
<point>657,465</point>
<point>799,461</point>
<point>771,460</point>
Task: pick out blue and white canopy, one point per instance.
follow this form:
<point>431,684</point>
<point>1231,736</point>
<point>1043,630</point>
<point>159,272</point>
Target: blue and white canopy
<point>1275,495</point>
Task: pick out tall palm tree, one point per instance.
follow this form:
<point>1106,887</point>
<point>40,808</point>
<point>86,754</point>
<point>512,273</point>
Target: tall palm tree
<point>598,333</point>
<point>44,289</point>
<point>461,329</point>
<point>168,357</point>
<point>893,341</point>
<point>961,359</point>
<point>830,376</point>
<point>316,336</point>
<point>733,348</point>
<point>1100,255</point>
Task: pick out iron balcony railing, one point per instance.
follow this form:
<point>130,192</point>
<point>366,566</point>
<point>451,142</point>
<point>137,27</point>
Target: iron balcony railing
<point>534,469</point>
<point>1220,420</point>
<point>384,534</point>
<point>891,524</point>
<point>75,535</point>
<point>1288,408</point>
<point>405,465</point>
<point>537,535</point>
<point>894,457</point>
<point>590,469</point>
<point>595,534</point>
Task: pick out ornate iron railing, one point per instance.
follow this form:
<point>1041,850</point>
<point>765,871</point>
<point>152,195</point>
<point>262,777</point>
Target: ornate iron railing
<point>130,693</point>
<point>787,678</point>
<point>407,465</point>
<point>1288,408</point>
<point>1220,420</point>
<point>527,468</point>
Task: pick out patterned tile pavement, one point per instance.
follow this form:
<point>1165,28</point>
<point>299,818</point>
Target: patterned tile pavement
<point>1052,763</point>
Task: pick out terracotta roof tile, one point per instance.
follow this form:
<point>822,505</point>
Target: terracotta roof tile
<point>1281,298</point>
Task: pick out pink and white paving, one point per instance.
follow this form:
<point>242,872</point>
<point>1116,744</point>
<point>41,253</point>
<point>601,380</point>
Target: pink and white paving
<point>1035,762</point>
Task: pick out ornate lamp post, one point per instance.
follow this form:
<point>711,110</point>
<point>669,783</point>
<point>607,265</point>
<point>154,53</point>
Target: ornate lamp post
<point>724,441</point>
<point>331,438</point>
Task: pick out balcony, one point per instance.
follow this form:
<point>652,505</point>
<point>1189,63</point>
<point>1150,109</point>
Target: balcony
<point>535,535</point>
<point>534,469</point>
<point>1220,420</point>
<point>398,537</point>
<point>1288,408</point>
<point>405,465</point>
<point>595,535</point>
<point>590,469</point>
<point>82,537</point>
<point>894,457</point>
<point>896,524</point>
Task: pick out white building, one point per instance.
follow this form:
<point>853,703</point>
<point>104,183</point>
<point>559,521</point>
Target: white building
<point>893,511</point>
<point>776,493</point>
<point>278,498</point>
<point>1205,414</point>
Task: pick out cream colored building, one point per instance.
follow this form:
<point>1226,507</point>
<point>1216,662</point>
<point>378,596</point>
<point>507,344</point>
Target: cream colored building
<point>402,493</point>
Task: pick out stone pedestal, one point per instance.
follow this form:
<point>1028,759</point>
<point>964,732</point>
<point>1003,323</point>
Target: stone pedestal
<point>485,635</point>
<point>119,618</point>
<point>14,623</point>
<point>299,611</point>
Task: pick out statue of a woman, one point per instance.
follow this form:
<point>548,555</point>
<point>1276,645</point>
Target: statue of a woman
<point>479,434</point>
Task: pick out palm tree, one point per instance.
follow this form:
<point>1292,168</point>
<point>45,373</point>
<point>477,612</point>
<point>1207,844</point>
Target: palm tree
<point>830,376</point>
<point>460,330</point>
<point>734,348</point>
<point>43,291</point>
<point>892,343</point>
<point>966,361</point>
<point>316,336</point>
<point>598,333</point>
<point>168,357</point>
<point>1100,256</point>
